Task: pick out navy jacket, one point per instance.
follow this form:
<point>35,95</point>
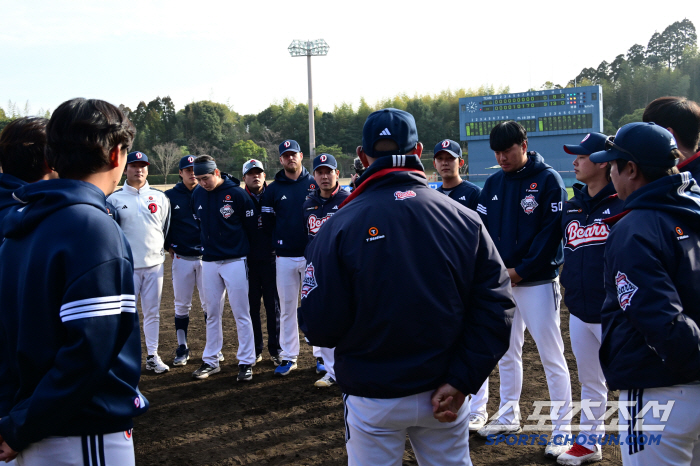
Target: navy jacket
<point>585,234</point>
<point>522,212</point>
<point>407,286</point>
<point>691,165</point>
<point>112,211</point>
<point>652,282</point>
<point>261,241</point>
<point>8,185</point>
<point>318,210</point>
<point>69,332</point>
<point>282,212</point>
<point>183,235</point>
<point>227,219</point>
<point>465,193</point>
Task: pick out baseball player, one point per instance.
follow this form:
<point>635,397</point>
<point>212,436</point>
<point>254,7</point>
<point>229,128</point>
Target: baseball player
<point>74,378</point>
<point>681,117</point>
<point>185,247</point>
<point>261,268</point>
<point>521,208</point>
<point>22,158</point>
<point>650,316</point>
<point>585,234</point>
<point>144,215</point>
<point>318,209</point>
<point>447,160</point>
<point>282,214</point>
<point>413,332</point>
<point>227,218</point>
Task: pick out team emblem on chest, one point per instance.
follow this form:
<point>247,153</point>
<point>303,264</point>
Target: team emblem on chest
<point>226,211</point>
<point>578,235</point>
<point>529,204</point>
<point>315,223</point>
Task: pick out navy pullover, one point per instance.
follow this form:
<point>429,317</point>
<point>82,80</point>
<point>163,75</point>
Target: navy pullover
<point>318,210</point>
<point>8,185</point>
<point>227,219</point>
<point>585,234</point>
<point>66,265</point>
<point>184,235</point>
<point>281,212</point>
<point>407,286</point>
<point>522,212</point>
<point>261,242</point>
<point>652,282</point>
<point>692,165</point>
<point>466,193</point>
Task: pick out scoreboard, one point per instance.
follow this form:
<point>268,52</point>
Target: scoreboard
<point>542,113</point>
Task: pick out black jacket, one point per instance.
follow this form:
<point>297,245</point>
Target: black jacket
<point>261,241</point>
<point>318,210</point>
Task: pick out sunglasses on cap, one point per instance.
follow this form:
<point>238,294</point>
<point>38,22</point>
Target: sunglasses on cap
<point>610,145</point>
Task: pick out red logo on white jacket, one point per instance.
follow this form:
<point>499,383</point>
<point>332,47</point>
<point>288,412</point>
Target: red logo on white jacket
<point>577,235</point>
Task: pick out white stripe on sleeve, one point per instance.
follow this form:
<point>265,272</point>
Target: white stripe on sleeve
<point>100,306</point>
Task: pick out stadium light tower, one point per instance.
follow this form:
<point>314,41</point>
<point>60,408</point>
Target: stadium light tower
<point>308,49</point>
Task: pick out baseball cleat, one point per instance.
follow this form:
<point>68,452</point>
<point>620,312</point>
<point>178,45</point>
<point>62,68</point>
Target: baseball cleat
<point>182,355</point>
<point>476,421</point>
<point>320,366</point>
<point>245,373</point>
<point>275,360</point>
<point>285,367</point>
<point>496,427</point>
<point>154,363</point>
<point>554,451</point>
<point>325,381</point>
<point>205,370</point>
<point>220,356</point>
<point>578,454</point>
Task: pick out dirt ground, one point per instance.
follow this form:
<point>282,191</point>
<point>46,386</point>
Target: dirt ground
<point>284,420</point>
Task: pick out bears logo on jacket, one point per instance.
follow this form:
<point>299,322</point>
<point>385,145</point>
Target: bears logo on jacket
<point>529,204</point>
<point>226,211</point>
<point>577,235</point>
<point>625,290</point>
<point>315,223</point>
<point>402,195</point>
<point>309,284</point>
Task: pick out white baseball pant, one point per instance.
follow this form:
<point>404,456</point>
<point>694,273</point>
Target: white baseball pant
<point>148,282</point>
<point>328,355</point>
<point>479,400</point>
<point>186,273</point>
<point>220,277</point>
<point>585,342</point>
<point>376,428</point>
<point>290,273</point>
<point>679,442</point>
<point>537,309</point>
<point>89,450</point>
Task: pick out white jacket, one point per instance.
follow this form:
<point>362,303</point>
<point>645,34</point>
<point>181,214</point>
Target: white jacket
<point>144,215</point>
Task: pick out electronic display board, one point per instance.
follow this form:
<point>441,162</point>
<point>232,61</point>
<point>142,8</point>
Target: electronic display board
<point>548,112</point>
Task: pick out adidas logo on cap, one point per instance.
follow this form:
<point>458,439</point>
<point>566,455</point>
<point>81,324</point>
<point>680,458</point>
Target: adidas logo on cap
<point>385,132</point>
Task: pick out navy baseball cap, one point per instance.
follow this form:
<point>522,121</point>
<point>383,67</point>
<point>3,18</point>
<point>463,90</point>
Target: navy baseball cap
<point>593,142</point>
<point>289,145</point>
<point>449,146</point>
<point>187,162</point>
<point>646,144</point>
<point>250,164</point>
<point>393,124</point>
<point>137,157</point>
<point>325,160</point>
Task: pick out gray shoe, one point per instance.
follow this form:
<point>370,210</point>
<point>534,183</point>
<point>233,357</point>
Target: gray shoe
<point>205,370</point>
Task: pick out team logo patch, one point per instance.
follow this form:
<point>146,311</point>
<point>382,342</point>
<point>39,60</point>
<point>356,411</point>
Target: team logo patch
<point>190,159</point>
<point>228,197</point>
<point>137,402</point>
<point>625,290</point>
<point>153,208</point>
<point>150,198</point>
<point>681,234</point>
<point>324,158</point>
<point>314,223</point>
<point>402,195</point>
<point>586,138</point>
<point>287,143</point>
<point>577,235</point>
<point>309,284</point>
<point>445,144</point>
<point>533,186</point>
<point>139,155</point>
<point>529,204</point>
<point>226,211</point>
<point>128,434</point>
<point>312,187</point>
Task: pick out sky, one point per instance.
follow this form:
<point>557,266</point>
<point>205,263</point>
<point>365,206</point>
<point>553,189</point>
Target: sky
<point>235,52</point>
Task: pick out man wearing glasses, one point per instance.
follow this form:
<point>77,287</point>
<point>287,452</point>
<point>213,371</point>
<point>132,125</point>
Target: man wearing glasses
<point>651,340</point>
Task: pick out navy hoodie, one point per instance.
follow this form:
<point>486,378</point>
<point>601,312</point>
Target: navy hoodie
<point>465,193</point>
<point>585,234</point>
<point>318,210</point>
<point>227,218</point>
<point>8,184</point>
<point>652,282</point>
<point>407,286</point>
<point>282,212</point>
<point>66,265</point>
<point>261,240</point>
<point>692,165</point>
<point>522,212</point>
<point>183,235</point>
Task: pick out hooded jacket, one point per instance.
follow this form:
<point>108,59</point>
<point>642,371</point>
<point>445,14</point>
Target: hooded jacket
<point>282,212</point>
<point>8,184</point>
<point>692,165</point>
<point>318,210</point>
<point>226,217</point>
<point>261,241</point>
<point>522,212</point>
<point>66,264</point>
<point>183,235</point>
<point>652,282</point>
<point>466,193</point>
<point>585,234</point>
<point>407,286</point>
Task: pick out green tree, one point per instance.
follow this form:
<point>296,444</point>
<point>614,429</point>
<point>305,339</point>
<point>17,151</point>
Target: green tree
<point>632,117</point>
<point>244,150</point>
